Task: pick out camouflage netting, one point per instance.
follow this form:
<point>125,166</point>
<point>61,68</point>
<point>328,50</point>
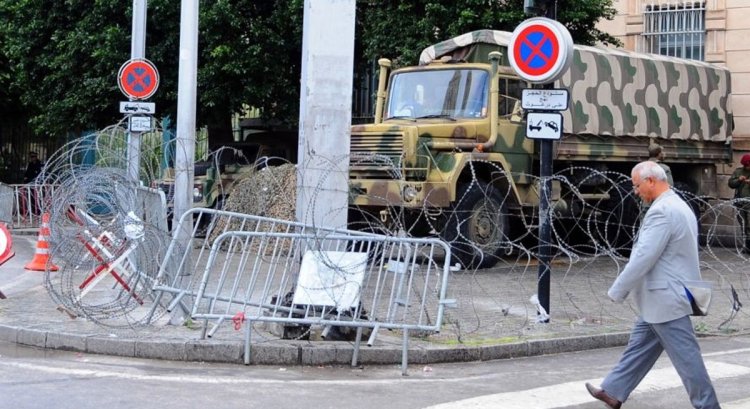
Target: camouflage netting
<point>627,88</point>
<point>269,192</point>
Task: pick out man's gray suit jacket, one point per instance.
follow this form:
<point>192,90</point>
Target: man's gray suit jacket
<point>663,260</point>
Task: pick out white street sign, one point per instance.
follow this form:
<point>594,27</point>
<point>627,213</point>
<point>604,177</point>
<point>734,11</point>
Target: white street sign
<point>140,123</point>
<point>132,107</point>
<point>544,125</point>
<point>545,99</point>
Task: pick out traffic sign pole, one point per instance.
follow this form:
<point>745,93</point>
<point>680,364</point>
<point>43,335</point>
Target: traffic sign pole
<point>137,51</point>
<point>544,273</point>
<point>540,51</point>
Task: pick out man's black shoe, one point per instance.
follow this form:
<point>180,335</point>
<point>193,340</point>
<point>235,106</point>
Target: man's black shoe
<point>597,393</point>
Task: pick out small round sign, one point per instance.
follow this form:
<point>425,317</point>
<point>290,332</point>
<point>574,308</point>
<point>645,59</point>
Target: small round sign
<point>540,50</point>
<point>6,244</point>
<point>138,79</point>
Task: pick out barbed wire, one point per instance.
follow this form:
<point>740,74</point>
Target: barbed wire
<point>95,219</point>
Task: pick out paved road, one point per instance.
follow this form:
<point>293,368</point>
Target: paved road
<point>31,378</point>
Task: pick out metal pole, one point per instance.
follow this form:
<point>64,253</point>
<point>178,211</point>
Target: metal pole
<point>137,50</point>
<point>545,222</point>
<point>545,227</point>
<point>325,112</point>
<point>186,101</point>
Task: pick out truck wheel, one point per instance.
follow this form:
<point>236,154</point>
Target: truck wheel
<point>617,218</point>
<point>477,226</point>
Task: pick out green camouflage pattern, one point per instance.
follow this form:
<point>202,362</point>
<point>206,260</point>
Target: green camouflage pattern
<point>621,93</point>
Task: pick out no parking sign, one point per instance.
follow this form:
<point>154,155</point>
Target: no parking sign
<point>138,79</point>
<point>6,244</point>
<point>540,50</point>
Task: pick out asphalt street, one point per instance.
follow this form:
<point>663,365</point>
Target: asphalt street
<point>34,378</point>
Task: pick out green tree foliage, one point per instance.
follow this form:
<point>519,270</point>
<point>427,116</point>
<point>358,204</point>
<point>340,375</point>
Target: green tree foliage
<point>59,59</point>
<point>401,29</point>
<point>63,58</point>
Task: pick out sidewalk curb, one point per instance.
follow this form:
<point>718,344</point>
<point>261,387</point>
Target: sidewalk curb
<point>296,352</point>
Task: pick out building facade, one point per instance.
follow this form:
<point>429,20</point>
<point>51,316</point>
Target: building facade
<point>715,31</point>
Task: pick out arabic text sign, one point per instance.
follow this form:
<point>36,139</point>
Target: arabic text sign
<point>545,99</point>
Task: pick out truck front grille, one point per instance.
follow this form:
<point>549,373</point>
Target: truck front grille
<point>376,156</point>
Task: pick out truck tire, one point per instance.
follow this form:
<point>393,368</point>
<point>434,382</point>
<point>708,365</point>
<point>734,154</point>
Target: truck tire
<point>617,219</point>
<point>477,226</point>
<point>694,202</point>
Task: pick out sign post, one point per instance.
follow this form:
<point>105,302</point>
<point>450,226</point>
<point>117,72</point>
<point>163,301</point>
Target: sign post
<point>137,51</point>
<point>137,79</point>
<point>540,51</point>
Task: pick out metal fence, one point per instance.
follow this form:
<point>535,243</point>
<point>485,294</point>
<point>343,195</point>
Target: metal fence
<point>336,280</point>
<point>6,203</point>
<point>22,205</point>
<point>258,269</point>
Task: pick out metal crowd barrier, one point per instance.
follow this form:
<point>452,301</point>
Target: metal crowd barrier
<point>21,205</point>
<point>256,269</point>
<point>152,207</point>
<point>6,203</point>
<point>26,203</point>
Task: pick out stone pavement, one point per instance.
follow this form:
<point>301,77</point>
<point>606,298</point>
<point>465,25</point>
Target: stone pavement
<point>494,318</point>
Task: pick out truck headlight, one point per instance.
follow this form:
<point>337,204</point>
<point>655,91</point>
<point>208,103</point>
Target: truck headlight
<point>409,193</point>
<point>197,194</point>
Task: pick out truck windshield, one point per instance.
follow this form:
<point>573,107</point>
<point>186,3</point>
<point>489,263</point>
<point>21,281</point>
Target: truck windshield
<point>453,93</point>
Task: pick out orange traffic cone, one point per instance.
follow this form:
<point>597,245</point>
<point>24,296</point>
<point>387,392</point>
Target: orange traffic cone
<point>41,257</point>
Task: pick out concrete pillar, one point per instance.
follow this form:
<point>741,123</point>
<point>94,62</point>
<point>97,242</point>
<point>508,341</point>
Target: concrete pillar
<point>325,112</point>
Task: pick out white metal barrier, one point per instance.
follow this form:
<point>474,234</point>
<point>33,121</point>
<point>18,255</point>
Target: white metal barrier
<point>6,203</point>
<point>26,203</point>
<point>152,207</point>
<point>256,269</point>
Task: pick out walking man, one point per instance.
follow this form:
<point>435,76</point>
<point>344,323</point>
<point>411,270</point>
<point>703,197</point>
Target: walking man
<point>664,257</point>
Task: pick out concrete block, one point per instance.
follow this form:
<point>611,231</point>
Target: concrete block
<point>504,351</point>
<point>214,351</point>
<point>173,350</point>
<point>616,340</point>
<point>561,345</point>
<point>8,333</point>
<point>459,354</point>
<point>68,342</point>
<point>269,354</point>
<point>33,337</point>
<point>379,355</point>
<point>318,354</point>
<point>111,346</point>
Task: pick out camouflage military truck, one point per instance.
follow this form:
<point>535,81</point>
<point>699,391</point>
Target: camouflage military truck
<point>447,152</point>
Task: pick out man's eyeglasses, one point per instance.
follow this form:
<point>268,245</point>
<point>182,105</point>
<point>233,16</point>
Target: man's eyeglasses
<point>637,186</point>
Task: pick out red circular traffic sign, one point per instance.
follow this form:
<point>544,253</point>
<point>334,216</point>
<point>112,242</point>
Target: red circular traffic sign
<point>540,50</point>
<point>6,244</point>
<point>138,79</point>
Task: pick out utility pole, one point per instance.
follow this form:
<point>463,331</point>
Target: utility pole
<point>325,112</point>
<point>137,51</point>
<point>186,102</point>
